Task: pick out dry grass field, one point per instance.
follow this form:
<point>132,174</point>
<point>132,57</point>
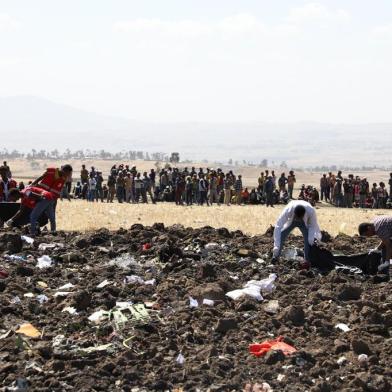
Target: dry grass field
<point>84,216</point>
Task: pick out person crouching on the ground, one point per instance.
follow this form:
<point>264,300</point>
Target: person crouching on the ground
<point>51,181</point>
<point>35,201</point>
<point>382,228</point>
<point>298,214</point>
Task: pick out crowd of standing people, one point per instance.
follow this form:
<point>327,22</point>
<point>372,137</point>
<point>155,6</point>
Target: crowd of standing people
<point>185,186</point>
<point>181,186</point>
<point>354,191</point>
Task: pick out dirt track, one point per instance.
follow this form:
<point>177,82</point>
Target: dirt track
<point>142,351</point>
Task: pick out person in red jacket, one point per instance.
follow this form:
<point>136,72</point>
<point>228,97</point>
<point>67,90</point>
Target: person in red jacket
<point>6,183</point>
<point>53,180</point>
<point>35,202</point>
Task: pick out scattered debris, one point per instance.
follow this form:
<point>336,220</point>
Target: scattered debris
<point>138,279</point>
<point>44,262</point>
<point>70,310</point>
<point>123,261</point>
<point>103,284</point>
<point>28,330</point>
<point>42,298</point>
<point>180,359</point>
<point>27,239</point>
<point>363,358</point>
<point>132,334</point>
<point>66,286</point>
<point>44,246</point>
<point>341,361</point>
<point>99,316</point>
<point>94,349</point>
<point>272,307</point>
<point>61,293</point>
<point>343,327</point>
<point>253,288</point>
<point>193,303</point>
<point>276,344</point>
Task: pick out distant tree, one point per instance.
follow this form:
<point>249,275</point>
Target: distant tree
<point>264,163</point>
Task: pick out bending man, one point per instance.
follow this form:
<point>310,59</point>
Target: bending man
<point>381,227</point>
<point>35,203</point>
<point>300,214</point>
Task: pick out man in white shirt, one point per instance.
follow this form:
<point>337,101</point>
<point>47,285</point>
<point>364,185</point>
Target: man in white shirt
<point>300,214</point>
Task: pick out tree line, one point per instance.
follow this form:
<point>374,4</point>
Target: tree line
<point>133,155</point>
<point>84,154</point>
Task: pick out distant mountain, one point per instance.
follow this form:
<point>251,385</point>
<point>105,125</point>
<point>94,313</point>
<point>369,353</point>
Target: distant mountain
<point>31,113</point>
<point>28,122</point>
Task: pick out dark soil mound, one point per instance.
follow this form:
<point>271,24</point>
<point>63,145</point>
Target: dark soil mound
<point>147,337</point>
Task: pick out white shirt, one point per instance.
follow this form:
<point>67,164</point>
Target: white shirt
<point>286,219</point>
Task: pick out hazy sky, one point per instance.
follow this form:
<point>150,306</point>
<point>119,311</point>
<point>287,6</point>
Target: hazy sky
<point>203,60</point>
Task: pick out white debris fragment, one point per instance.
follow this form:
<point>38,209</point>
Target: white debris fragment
<point>58,340</point>
<point>343,327</point>
<point>44,246</point>
<point>98,316</point>
<point>44,262</point>
<point>122,261</point>
<point>272,307</point>
<point>341,360</point>
<point>15,300</point>
<point>211,245</point>
<point>66,286</point>
<point>42,298</point>
<point>253,288</point>
<point>208,302</point>
<point>61,293</point>
<point>93,349</point>
<point>27,239</point>
<point>193,303</point>
<point>103,284</point>
<point>363,358</point>
<point>70,310</point>
<point>138,279</point>
<point>180,359</point>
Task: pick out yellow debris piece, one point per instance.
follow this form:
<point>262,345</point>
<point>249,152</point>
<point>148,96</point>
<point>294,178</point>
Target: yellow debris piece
<point>29,330</point>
